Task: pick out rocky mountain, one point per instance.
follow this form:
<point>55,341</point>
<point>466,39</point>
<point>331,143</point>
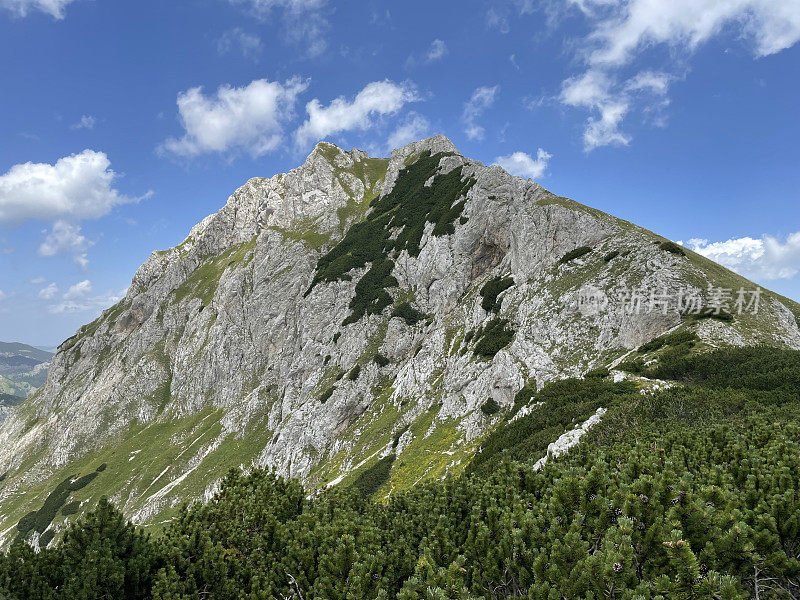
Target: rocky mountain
<point>23,369</point>
<point>352,310</point>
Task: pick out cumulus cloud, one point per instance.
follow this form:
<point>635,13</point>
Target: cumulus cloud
<point>76,187</point>
<point>761,258</point>
<point>85,122</point>
<point>236,39</point>
<point>481,99</point>
<point>303,21</point>
<point>78,290</point>
<point>65,238</point>
<point>622,29</point>
<point>49,292</point>
<point>249,118</point>
<point>375,99</point>
<point>83,302</point>
<point>524,165</point>
<point>611,100</point>
<point>437,51</point>
<point>54,8</point>
<point>414,128</point>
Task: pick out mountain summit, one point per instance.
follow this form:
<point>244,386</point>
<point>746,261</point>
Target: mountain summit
<point>352,311</point>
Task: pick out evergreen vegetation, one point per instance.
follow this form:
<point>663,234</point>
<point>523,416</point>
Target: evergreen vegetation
<point>673,248</point>
<point>493,288</point>
<point>688,493</point>
<point>573,254</point>
<point>395,222</point>
<point>493,337</point>
<point>408,313</point>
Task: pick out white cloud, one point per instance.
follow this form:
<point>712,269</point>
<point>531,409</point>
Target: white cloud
<point>49,292</point>
<point>437,51</point>
<point>37,280</point>
<point>481,99</point>
<point>611,101</point>
<point>249,44</point>
<point>376,98</point>
<point>249,118</point>
<point>633,25</point>
<point>76,187</point>
<point>84,303</point>
<point>78,290</point>
<point>54,8</point>
<point>414,128</point>
<point>86,122</point>
<point>756,258</point>
<point>3,295</point>
<point>524,165</point>
<point>621,30</point>
<point>65,238</point>
<point>304,21</point>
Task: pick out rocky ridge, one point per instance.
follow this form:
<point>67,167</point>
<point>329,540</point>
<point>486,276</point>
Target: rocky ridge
<point>230,350</point>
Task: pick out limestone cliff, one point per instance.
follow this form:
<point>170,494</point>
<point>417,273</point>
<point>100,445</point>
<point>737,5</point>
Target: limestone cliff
<point>255,342</point>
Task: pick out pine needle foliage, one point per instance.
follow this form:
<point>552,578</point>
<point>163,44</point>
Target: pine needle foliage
<point>395,222</point>
<point>686,493</point>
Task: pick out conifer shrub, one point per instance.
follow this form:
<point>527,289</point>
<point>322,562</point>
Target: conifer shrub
<point>672,247</point>
<point>599,373</point>
<point>71,508</point>
<point>676,338</point>
<point>720,315</point>
<point>492,338</point>
<point>408,313</point>
<point>326,395</point>
<point>354,373</point>
<point>395,222</point>
<point>611,255</point>
<point>490,407</point>
<point>491,290</point>
<point>381,360</point>
<point>573,254</point>
<point>690,492</point>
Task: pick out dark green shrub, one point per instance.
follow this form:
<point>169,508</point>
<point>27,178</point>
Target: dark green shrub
<point>670,339</point>
<point>611,255</point>
<point>381,360</point>
<point>722,315</point>
<point>46,538</point>
<point>354,373</point>
<point>490,407</point>
<point>408,313</point>
<point>336,336</point>
<point>599,373</point>
<point>573,254</point>
<point>635,366</point>
<point>493,288</point>
<point>404,211</point>
<point>673,248</point>
<point>495,336</point>
<point>71,508</point>
<point>326,395</point>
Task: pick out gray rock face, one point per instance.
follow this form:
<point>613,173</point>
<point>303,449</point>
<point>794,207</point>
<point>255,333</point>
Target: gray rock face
<point>220,331</point>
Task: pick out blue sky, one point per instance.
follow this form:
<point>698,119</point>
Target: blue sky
<point>125,123</point>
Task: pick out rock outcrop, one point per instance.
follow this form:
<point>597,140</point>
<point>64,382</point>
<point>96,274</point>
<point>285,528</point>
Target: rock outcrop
<point>230,350</point>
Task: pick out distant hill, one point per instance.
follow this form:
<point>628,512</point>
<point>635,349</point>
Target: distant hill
<point>23,369</point>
